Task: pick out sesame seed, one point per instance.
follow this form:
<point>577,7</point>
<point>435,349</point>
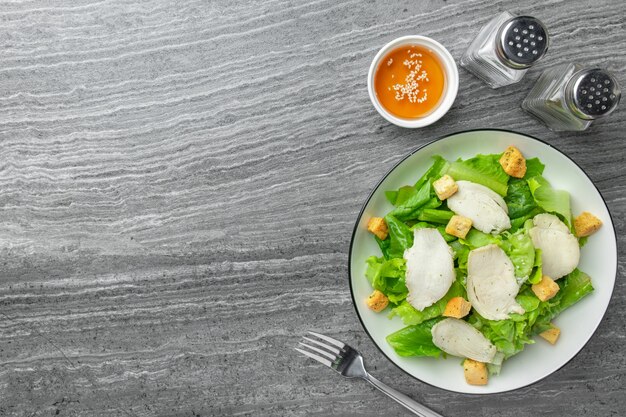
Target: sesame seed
<point>411,87</point>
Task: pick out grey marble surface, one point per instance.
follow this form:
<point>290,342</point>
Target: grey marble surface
<point>178,186</point>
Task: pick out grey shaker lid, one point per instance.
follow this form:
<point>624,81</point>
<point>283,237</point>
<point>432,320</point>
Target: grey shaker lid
<point>592,93</point>
<point>521,41</point>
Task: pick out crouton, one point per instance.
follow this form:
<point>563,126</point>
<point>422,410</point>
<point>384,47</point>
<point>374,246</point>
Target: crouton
<point>459,226</point>
<point>445,187</point>
<point>546,288</point>
<point>586,224</point>
<point>475,372</point>
<point>378,226</point>
<point>551,335</point>
<point>457,307</point>
<point>377,301</point>
<point>513,162</point>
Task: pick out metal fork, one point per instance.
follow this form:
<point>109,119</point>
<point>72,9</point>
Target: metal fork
<point>349,363</point>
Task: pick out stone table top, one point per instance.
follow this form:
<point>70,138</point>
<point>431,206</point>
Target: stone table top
<point>178,186</point>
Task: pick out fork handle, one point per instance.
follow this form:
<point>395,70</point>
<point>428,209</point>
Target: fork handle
<point>407,402</point>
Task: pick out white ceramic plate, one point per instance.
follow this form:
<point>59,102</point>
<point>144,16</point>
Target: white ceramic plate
<point>578,323</point>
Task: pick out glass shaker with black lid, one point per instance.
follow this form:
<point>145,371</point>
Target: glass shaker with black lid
<point>505,48</point>
<point>570,97</point>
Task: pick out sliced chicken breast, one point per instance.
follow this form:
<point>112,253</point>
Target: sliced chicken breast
<point>484,207</point>
<point>458,338</point>
<point>491,283</point>
<point>560,252</point>
<point>429,268</point>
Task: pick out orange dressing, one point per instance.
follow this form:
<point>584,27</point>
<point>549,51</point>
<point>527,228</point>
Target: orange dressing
<point>409,81</point>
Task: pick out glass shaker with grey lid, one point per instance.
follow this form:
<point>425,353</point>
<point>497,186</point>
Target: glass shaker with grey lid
<point>570,97</point>
<point>505,48</point>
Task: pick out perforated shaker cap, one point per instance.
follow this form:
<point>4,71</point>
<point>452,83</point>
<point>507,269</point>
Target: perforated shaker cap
<point>521,41</point>
<point>592,93</point>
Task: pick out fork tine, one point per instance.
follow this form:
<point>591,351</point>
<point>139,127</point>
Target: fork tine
<point>316,357</point>
<point>318,350</point>
<point>329,340</point>
<point>324,345</point>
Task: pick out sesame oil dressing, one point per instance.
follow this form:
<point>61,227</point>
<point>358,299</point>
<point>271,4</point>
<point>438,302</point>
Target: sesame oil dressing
<point>410,81</point>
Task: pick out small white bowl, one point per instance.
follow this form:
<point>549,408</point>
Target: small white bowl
<point>450,89</point>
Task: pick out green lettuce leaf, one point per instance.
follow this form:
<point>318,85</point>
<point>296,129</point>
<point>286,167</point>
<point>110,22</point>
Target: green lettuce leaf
<point>519,199</point>
<point>482,169</point>
<point>461,253</point>
<point>383,245</point>
<point>437,170</point>
<point>476,239</point>
<point>549,199</point>
<point>534,167</point>
<point>519,222</point>
<point>422,225</point>
<point>528,301</point>
<point>401,196</point>
<point>409,201</point>
<point>400,237</point>
<point>415,340</point>
<point>508,336</point>
<point>573,288</point>
<point>392,196</point>
<point>410,315</point>
<point>447,237</point>
<point>537,274</point>
<point>432,203</point>
<point>435,216</point>
<point>387,276</point>
<point>519,248</point>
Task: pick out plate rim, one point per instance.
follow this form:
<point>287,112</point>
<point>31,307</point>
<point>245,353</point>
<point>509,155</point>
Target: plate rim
<point>377,186</point>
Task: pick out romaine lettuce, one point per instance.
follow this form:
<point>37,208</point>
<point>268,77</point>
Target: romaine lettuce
<point>435,216</point>
<point>437,170</point>
<point>519,199</point>
<point>508,336</point>
<point>476,239</point>
<point>549,199</point>
<point>482,169</point>
<point>519,248</point>
<point>415,340</point>
<point>410,315</point>
<point>400,238</point>
<point>387,276</point>
<point>574,287</point>
<point>534,167</point>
